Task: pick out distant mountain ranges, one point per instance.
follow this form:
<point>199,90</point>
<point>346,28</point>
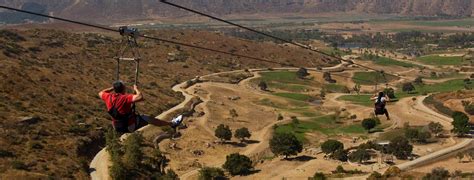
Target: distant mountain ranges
<point>118,10</point>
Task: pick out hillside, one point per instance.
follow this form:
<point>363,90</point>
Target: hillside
<point>102,11</point>
<point>55,76</point>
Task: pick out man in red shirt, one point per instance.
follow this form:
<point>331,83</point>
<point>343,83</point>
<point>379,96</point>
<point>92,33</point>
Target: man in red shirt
<point>120,107</point>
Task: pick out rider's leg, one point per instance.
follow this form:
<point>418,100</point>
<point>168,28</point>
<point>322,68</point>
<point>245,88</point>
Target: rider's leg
<point>155,121</point>
<point>386,114</point>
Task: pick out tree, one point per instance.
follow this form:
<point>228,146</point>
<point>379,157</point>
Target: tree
<point>470,153</point>
<point>437,174</point>
<point>263,85</point>
<point>133,155</point>
<point>423,136</point>
<point>339,170</point>
<point>375,176</point>
<point>400,147</point>
<point>356,88</point>
<point>460,156</point>
<point>408,87</point>
<point>390,92</point>
<point>302,73</point>
<point>331,146</point>
<point>118,170</point>
<point>223,133</point>
<point>369,124</point>
<point>242,133</point>
<point>360,155</point>
<point>170,175</point>
<point>113,145</point>
<point>158,161</point>
<point>285,144</point>
<point>328,78</point>
<point>237,164</point>
<point>340,155</point>
<point>211,173</point>
<point>319,176</point>
<point>460,123</point>
<point>411,134</point>
<point>418,80</point>
<point>435,128</point>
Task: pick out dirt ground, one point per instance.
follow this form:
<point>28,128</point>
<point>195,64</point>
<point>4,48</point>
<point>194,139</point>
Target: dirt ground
<point>198,147</point>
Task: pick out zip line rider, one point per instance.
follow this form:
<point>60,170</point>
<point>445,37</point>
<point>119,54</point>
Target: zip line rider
<point>120,105</point>
<point>381,100</point>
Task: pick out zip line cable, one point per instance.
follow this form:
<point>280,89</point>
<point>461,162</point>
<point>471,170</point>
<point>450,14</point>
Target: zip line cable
<point>266,34</point>
<point>167,41</point>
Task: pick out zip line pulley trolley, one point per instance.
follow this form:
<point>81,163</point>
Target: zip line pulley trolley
<point>129,43</point>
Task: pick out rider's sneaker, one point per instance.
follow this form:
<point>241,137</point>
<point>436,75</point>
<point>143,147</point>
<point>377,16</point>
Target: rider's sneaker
<point>177,121</point>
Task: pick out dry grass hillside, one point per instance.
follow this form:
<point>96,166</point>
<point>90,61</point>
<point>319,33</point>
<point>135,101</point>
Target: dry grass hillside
<point>54,76</point>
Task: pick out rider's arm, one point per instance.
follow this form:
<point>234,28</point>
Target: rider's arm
<point>387,98</point>
<point>138,95</point>
<point>108,90</point>
<point>374,97</point>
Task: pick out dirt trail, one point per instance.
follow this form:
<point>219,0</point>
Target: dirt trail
<point>404,110</point>
<point>262,136</point>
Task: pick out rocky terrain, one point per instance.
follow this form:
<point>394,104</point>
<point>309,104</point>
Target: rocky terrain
<point>106,10</point>
<point>51,120</point>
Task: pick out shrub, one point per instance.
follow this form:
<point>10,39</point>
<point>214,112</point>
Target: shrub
<point>400,147</point>
<point>263,85</point>
<point>242,133</point>
<point>233,113</point>
<point>302,73</point>
<point>331,146</point>
<point>390,92</point>
<point>5,153</point>
<point>460,123</point>
<point>319,176</point>
<point>118,170</point>
<point>339,170</point>
<point>375,176</point>
<point>170,175</point>
<point>211,173</point>
<point>133,152</point>
<point>469,108</point>
<point>411,134</point>
<point>359,156</point>
<point>437,173</point>
<point>237,164</point>
<point>340,155</point>
<point>280,117</point>
<point>16,164</point>
<point>285,144</point>
<point>223,132</point>
<point>392,171</point>
<point>418,80</point>
<point>369,124</point>
<point>435,128</point>
<point>408,87</point>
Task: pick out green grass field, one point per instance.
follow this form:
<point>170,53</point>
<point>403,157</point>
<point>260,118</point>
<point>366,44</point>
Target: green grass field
<point>294,96</point>
<point>384,61</point>
<point>439,60</point>
<point>460,22</point>
<point>358,99</point>
<point>448,86</point>
<point>369,78</point>
<point>285,81</point>
<point>325,124</point>
<point>336,88</point>
<point>283,77</point>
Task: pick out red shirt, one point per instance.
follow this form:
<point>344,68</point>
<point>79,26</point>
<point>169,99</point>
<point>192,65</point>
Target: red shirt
<point>123,103</point>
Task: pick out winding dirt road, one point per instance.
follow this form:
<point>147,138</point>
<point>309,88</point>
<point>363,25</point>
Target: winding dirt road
<point>404,109</point>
